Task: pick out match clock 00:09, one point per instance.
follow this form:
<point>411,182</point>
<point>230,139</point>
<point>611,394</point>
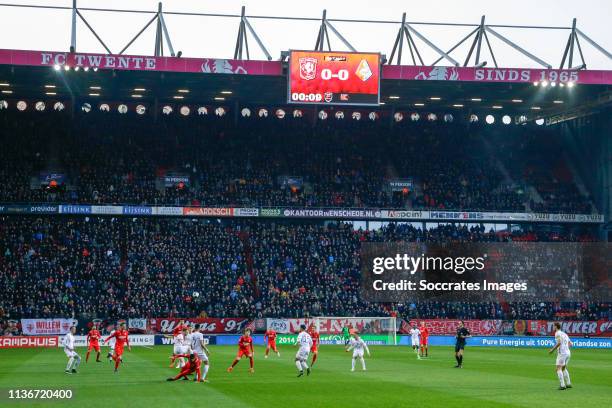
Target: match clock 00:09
<point>334,78</point>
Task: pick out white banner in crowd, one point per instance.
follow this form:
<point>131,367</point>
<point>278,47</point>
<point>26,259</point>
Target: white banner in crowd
<point>137,324</point>
<point>38,327</point>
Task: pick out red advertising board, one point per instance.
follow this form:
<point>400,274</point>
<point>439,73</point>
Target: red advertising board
<point>599,328</point>
<point>28,342</point>
<point>165,325</point>
<point>336,78</point>
<point>449,327</point>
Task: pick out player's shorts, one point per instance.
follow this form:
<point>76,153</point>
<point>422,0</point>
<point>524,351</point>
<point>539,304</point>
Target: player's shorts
<point>302,354</point>
<point>118,351</point>
<point>95,346</point>
<point>314,349</point>
<point>272,344</point>
<point>70,353</point>
<point>244,353</point>
<point>415,342</point>
<point>424,341</point>
<point>203,356</point>
<point>357,353</point>
<point>459,346</point>
<point>176,349</point>
<point>563,359</point>
<point>183,350</point>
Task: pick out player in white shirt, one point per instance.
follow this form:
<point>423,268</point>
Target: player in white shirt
<point>181,346</point>
<point>73,358</point>
<point>358,346</point>
<point>304,342</point>
<point>111,345</point>
<point>199,347</point>
<point>563,344</point>
<point>415,334</point>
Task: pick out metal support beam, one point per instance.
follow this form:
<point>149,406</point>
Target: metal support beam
<point>93,31</point>
<point>159,44</point>
<point>138,35</point>
<point>73,32</point>
<point>456,45</point>
<point>321,34</point>
<point>594,44</point>
<point>337,33</point>
<point>166,34</point>
<point>518,48</point>
<point>259,42</point>
<point>432,45</point>
<point>242,40</point>
<point>480,31</point>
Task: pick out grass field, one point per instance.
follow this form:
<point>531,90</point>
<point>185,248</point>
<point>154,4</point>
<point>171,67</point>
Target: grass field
<point>491,377</point>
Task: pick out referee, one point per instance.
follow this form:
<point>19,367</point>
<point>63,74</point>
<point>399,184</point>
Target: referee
<point>462,335</point>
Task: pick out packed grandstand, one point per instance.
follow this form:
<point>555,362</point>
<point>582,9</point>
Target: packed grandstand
<point>120,266</point>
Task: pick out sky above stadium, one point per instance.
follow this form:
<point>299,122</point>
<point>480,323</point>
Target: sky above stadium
<point>35,29</point>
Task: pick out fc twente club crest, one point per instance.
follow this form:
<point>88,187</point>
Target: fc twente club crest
<point>308,68</point>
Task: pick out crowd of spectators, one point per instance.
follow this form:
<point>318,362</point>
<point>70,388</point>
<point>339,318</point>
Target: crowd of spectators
<point>151,267</point>
<point>121,160</point>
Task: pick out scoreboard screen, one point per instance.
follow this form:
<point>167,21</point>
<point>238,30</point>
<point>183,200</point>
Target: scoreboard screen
<point>334,78</point>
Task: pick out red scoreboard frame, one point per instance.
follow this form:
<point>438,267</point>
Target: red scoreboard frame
<point>334,78</point>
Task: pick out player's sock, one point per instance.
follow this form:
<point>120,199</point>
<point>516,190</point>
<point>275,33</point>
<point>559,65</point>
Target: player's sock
<point>87,357</point>
<point>234,362</point>
<point>69,365</point>
<point>566,377</point>
<point>314,358</point>
<point>251,362</point>
<point>204,371</point>
<point>77,362</point>
<point>561,379</point>
<point>353,364</point>
<point>362,363</point>
<point>117,361</point>
<point>298,364</point>
<point>461,359</point>
<point>98,357</point>
<point>304,365</point>
<point>457,358</point>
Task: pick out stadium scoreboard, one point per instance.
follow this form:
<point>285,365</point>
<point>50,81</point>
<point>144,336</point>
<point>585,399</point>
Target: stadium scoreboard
<point>333,78</point>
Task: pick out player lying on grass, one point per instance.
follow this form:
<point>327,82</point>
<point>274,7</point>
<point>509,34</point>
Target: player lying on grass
<point>562,346</point>
<point>193,365</point>
<point>73,358</point>
<point>358,346</point>
<point>93,338</point>
<point>245,349</point>
<point>121,337</point>
<point>304,342</point>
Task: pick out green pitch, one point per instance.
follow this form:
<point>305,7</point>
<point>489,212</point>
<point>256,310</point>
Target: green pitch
<point>491,377</point>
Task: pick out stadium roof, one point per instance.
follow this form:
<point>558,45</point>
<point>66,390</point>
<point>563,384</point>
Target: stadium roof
<point>26,78</point>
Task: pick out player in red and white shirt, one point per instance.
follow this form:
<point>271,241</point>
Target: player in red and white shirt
<point>314,334</point>
<point>245,349</point>
<point>270,338</point>
<point>121,337</point>
<point>193,365</point>
<point>180,343</point>
<point>93,342</point>
<point>424,340</point>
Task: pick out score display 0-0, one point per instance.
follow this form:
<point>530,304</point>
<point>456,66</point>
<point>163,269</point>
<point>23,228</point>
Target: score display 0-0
<point>334,78</point>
